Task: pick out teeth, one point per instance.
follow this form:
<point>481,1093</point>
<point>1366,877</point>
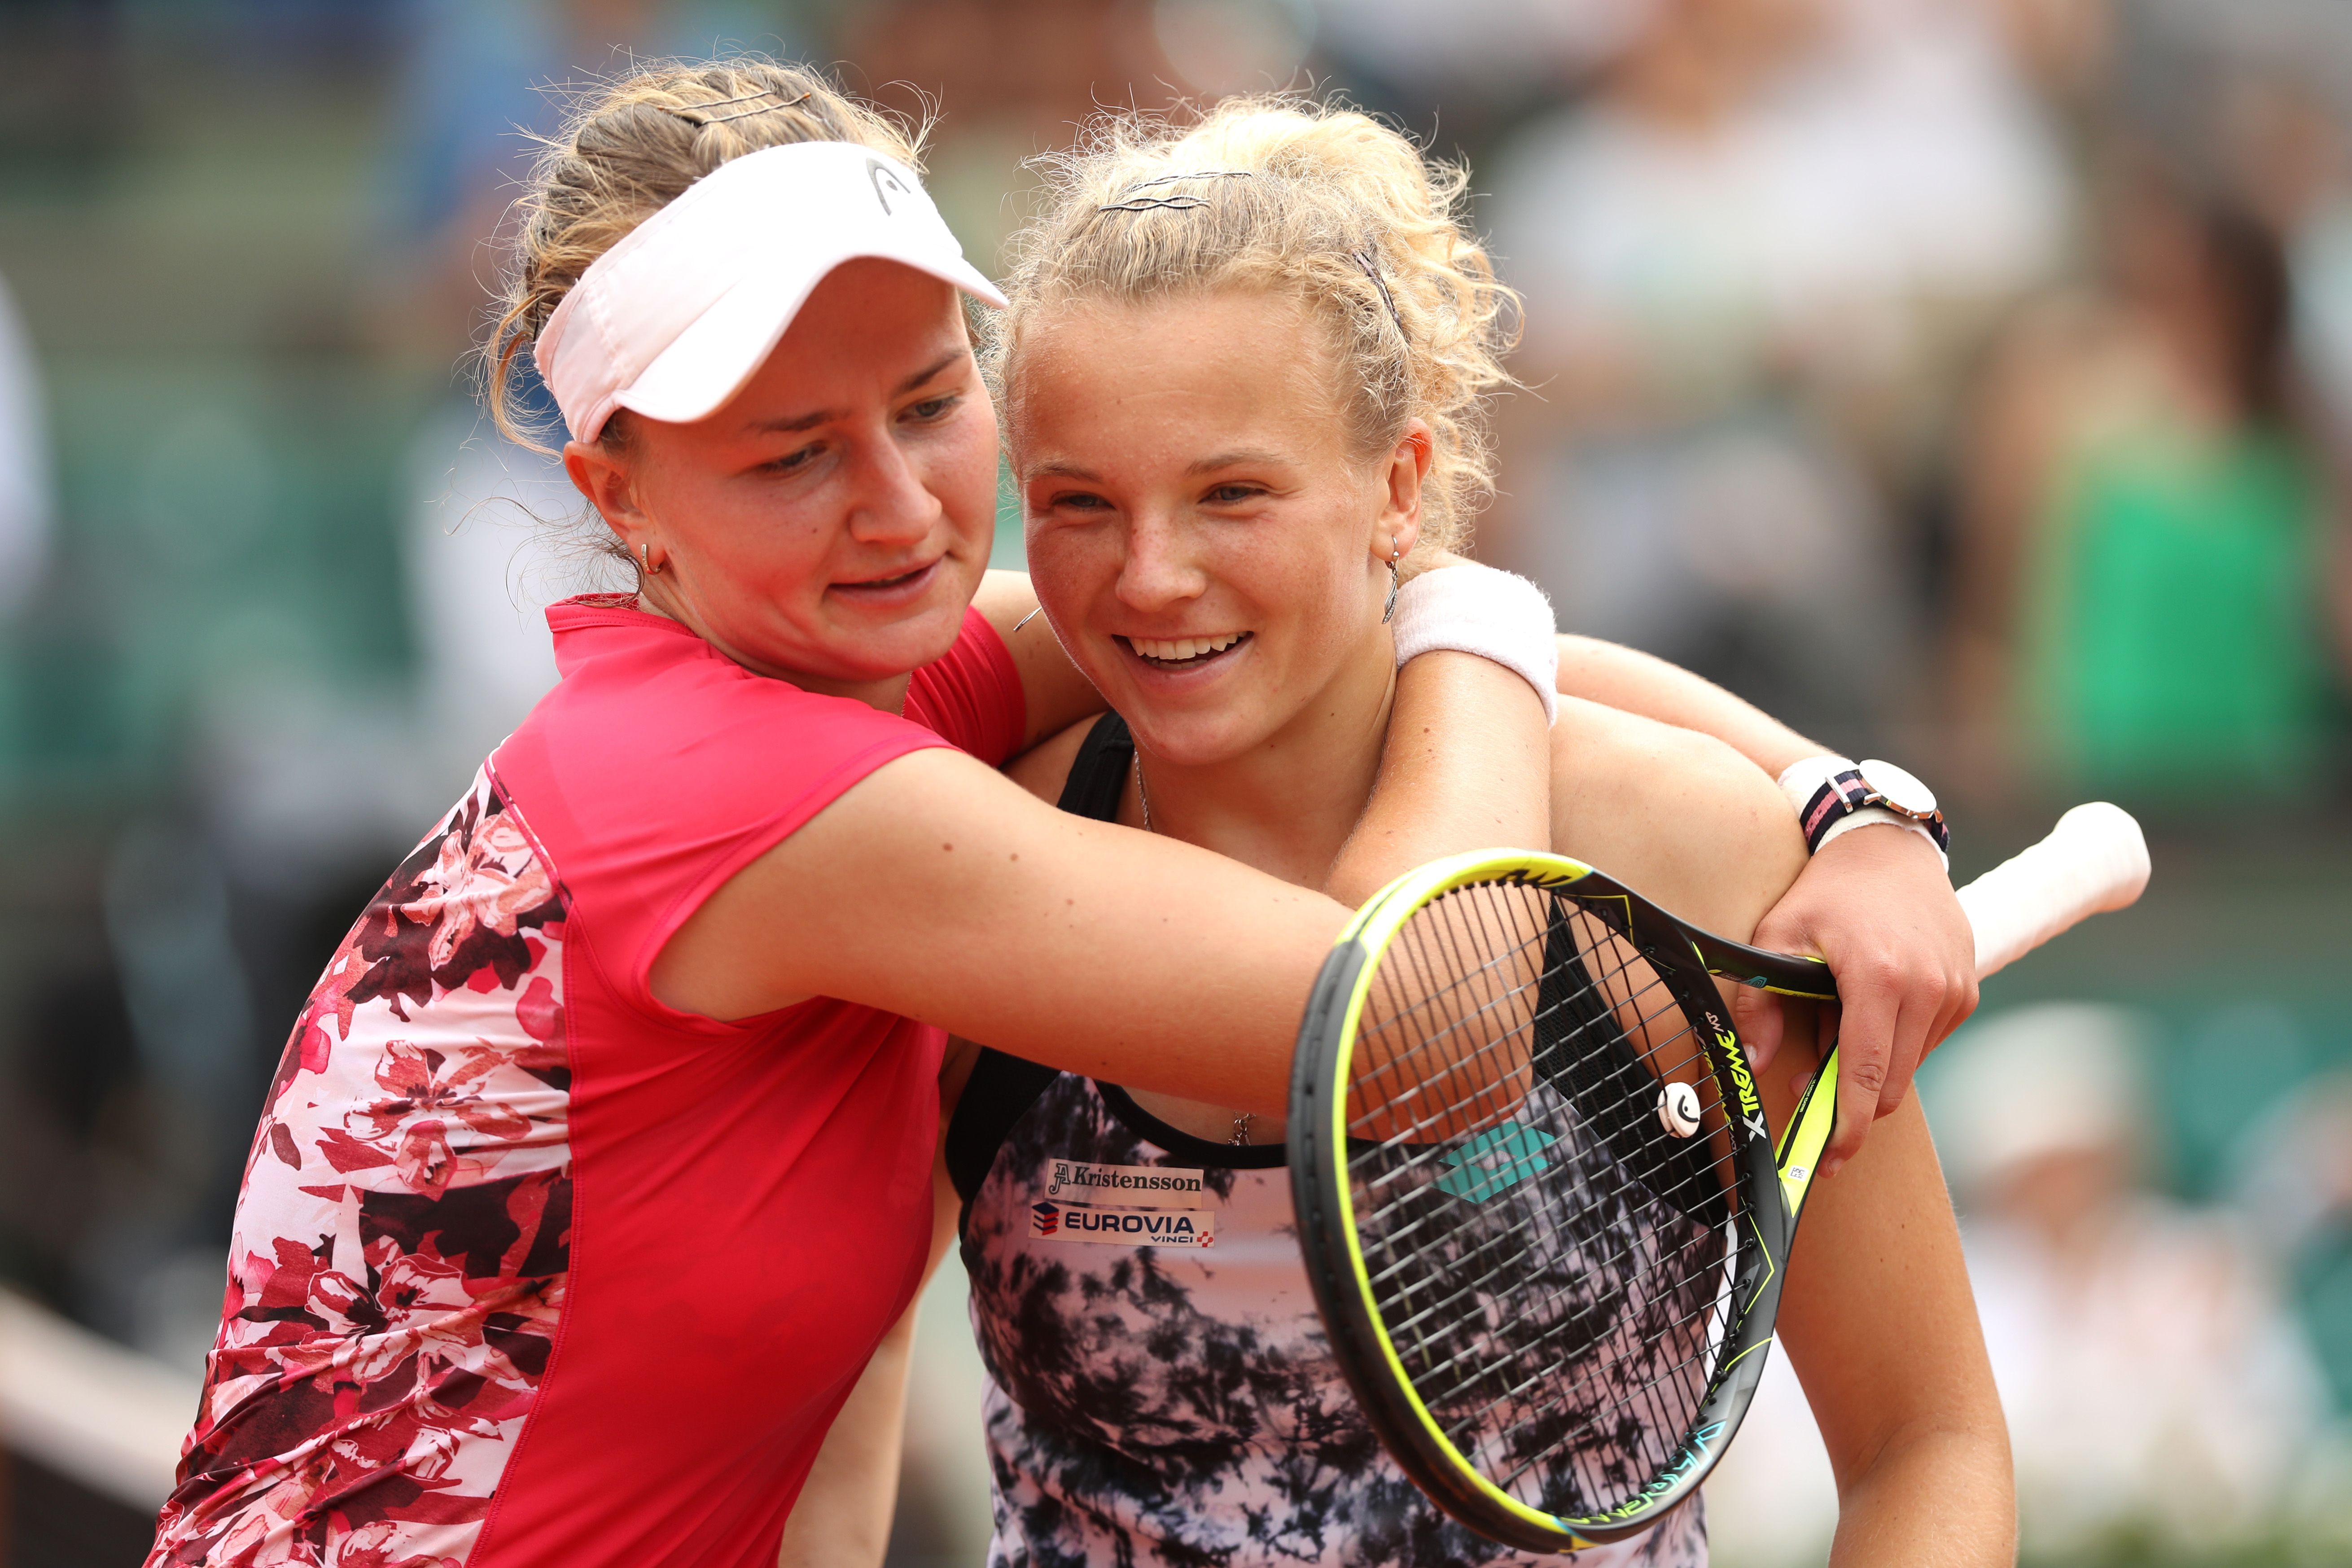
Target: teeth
<point>1183,647</point>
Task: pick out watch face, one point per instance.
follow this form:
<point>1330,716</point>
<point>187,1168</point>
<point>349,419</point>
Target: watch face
<point>1903,793</point>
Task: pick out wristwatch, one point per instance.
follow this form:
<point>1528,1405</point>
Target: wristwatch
<point>1872,783</point>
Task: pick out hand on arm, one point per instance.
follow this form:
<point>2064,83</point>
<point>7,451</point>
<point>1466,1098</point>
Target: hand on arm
<point>1875,902</point>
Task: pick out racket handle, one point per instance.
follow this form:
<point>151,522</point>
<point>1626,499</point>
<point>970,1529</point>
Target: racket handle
<point>2095,859</point>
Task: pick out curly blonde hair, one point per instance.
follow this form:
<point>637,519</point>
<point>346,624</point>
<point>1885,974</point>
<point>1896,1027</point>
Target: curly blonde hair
<point>1293,197</point>
<point>629,147</point>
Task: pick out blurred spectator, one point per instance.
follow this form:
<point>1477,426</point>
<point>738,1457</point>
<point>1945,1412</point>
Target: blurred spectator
<point>1747,263</point>
<point>1009,80</point>
<point>1473,68</point>
<point>2156,1387</point>
<point>25,501</point>
<point>2292,1184</point>
<point>2146,522</point>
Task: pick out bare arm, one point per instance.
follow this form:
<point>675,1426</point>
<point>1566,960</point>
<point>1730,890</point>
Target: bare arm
<point>1882,1329</point>
<point>842,1518</point>
<point>1877,1316</point>
<point>938,889</point>
<point>1467,766</point>
<point>1618,676</point>
<point>1875,903</point>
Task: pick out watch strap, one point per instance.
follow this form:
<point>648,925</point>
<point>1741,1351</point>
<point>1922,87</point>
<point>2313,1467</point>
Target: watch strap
<point>1832,796</point>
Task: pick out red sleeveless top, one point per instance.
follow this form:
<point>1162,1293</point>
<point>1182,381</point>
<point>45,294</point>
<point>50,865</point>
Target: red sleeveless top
<point>529,1268</point>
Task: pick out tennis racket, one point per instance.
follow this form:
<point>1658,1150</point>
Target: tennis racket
<point>1543,1213</point>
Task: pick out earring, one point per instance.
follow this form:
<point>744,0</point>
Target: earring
<point>646,558</point>
<point>1389,609</point>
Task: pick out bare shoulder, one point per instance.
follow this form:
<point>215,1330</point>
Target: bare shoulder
<point>1057,694</point>
<point>1005,598</point>
<point>1044,768</point>
<point>1679,816</point>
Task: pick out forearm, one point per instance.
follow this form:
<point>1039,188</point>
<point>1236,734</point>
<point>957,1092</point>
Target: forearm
<point>843,1514</point>
<point>1879,1323</point>
<point>1937,1498</point>
<point>1467,766</point>
<point>1633,682</point>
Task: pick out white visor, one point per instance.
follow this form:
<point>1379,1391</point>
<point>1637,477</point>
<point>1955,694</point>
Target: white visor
<point>673,320</point>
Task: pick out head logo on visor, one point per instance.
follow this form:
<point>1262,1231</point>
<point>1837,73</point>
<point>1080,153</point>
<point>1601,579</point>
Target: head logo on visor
<point>675,319</point>
<point>884,182</point>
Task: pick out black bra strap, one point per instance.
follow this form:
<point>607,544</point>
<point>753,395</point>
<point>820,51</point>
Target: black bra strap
<point>1001,1089</point>
<point>1000,1092</point>
<point>1099,774</point>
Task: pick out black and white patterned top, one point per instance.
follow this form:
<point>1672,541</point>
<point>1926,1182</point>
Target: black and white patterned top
<point>1159,1390</point>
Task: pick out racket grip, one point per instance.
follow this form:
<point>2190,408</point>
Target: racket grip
<point>2095,859</point>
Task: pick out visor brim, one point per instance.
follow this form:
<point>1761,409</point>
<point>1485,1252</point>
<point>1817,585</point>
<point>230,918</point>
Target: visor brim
<point>707,363</point>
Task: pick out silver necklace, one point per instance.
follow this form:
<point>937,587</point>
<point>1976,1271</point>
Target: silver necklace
<point>1239,1140</point>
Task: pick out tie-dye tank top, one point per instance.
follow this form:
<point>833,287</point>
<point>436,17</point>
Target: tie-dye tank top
<point>1160,1392</point>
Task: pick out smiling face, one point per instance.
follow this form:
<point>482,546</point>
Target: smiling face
<point>831,523</point>
<point>1210,549</point>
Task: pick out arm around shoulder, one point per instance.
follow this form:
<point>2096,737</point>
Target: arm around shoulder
<point>936,888</point>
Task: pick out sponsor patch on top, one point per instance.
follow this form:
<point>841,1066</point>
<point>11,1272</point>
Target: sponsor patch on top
<point>1131,1186</point>
<point>1122,1226</point>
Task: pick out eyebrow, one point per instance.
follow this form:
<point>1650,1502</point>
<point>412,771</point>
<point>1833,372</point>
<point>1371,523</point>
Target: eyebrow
<point>1235,459</point>
<point>810,421</point>
<point>1205,465</point>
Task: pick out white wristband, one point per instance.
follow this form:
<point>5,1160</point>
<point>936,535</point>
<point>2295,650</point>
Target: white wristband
<point>1870,817</point>
<point>1476,609</point>
<point>1800,781</point>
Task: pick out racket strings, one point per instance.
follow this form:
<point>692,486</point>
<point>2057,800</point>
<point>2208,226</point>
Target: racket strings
<point>1577,1307</point>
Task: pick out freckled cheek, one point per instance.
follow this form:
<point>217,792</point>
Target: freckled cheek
<point>1072,569</point>
<point>1276,589</point>
<point>1075,572</point>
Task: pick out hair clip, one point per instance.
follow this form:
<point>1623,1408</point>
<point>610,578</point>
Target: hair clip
<point>1371,270</point>
<point>694,118</point>
<point>1195,175</point>
<point>1174,203</point>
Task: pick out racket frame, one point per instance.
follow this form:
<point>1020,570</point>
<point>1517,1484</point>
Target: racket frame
<point>1322,1192</point>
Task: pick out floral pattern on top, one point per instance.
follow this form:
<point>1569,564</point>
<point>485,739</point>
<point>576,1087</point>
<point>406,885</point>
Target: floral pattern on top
<point>402,1243</point>
<point>1164,1407</point>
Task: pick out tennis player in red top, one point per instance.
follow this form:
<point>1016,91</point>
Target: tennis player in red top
<point>599,1161</point>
